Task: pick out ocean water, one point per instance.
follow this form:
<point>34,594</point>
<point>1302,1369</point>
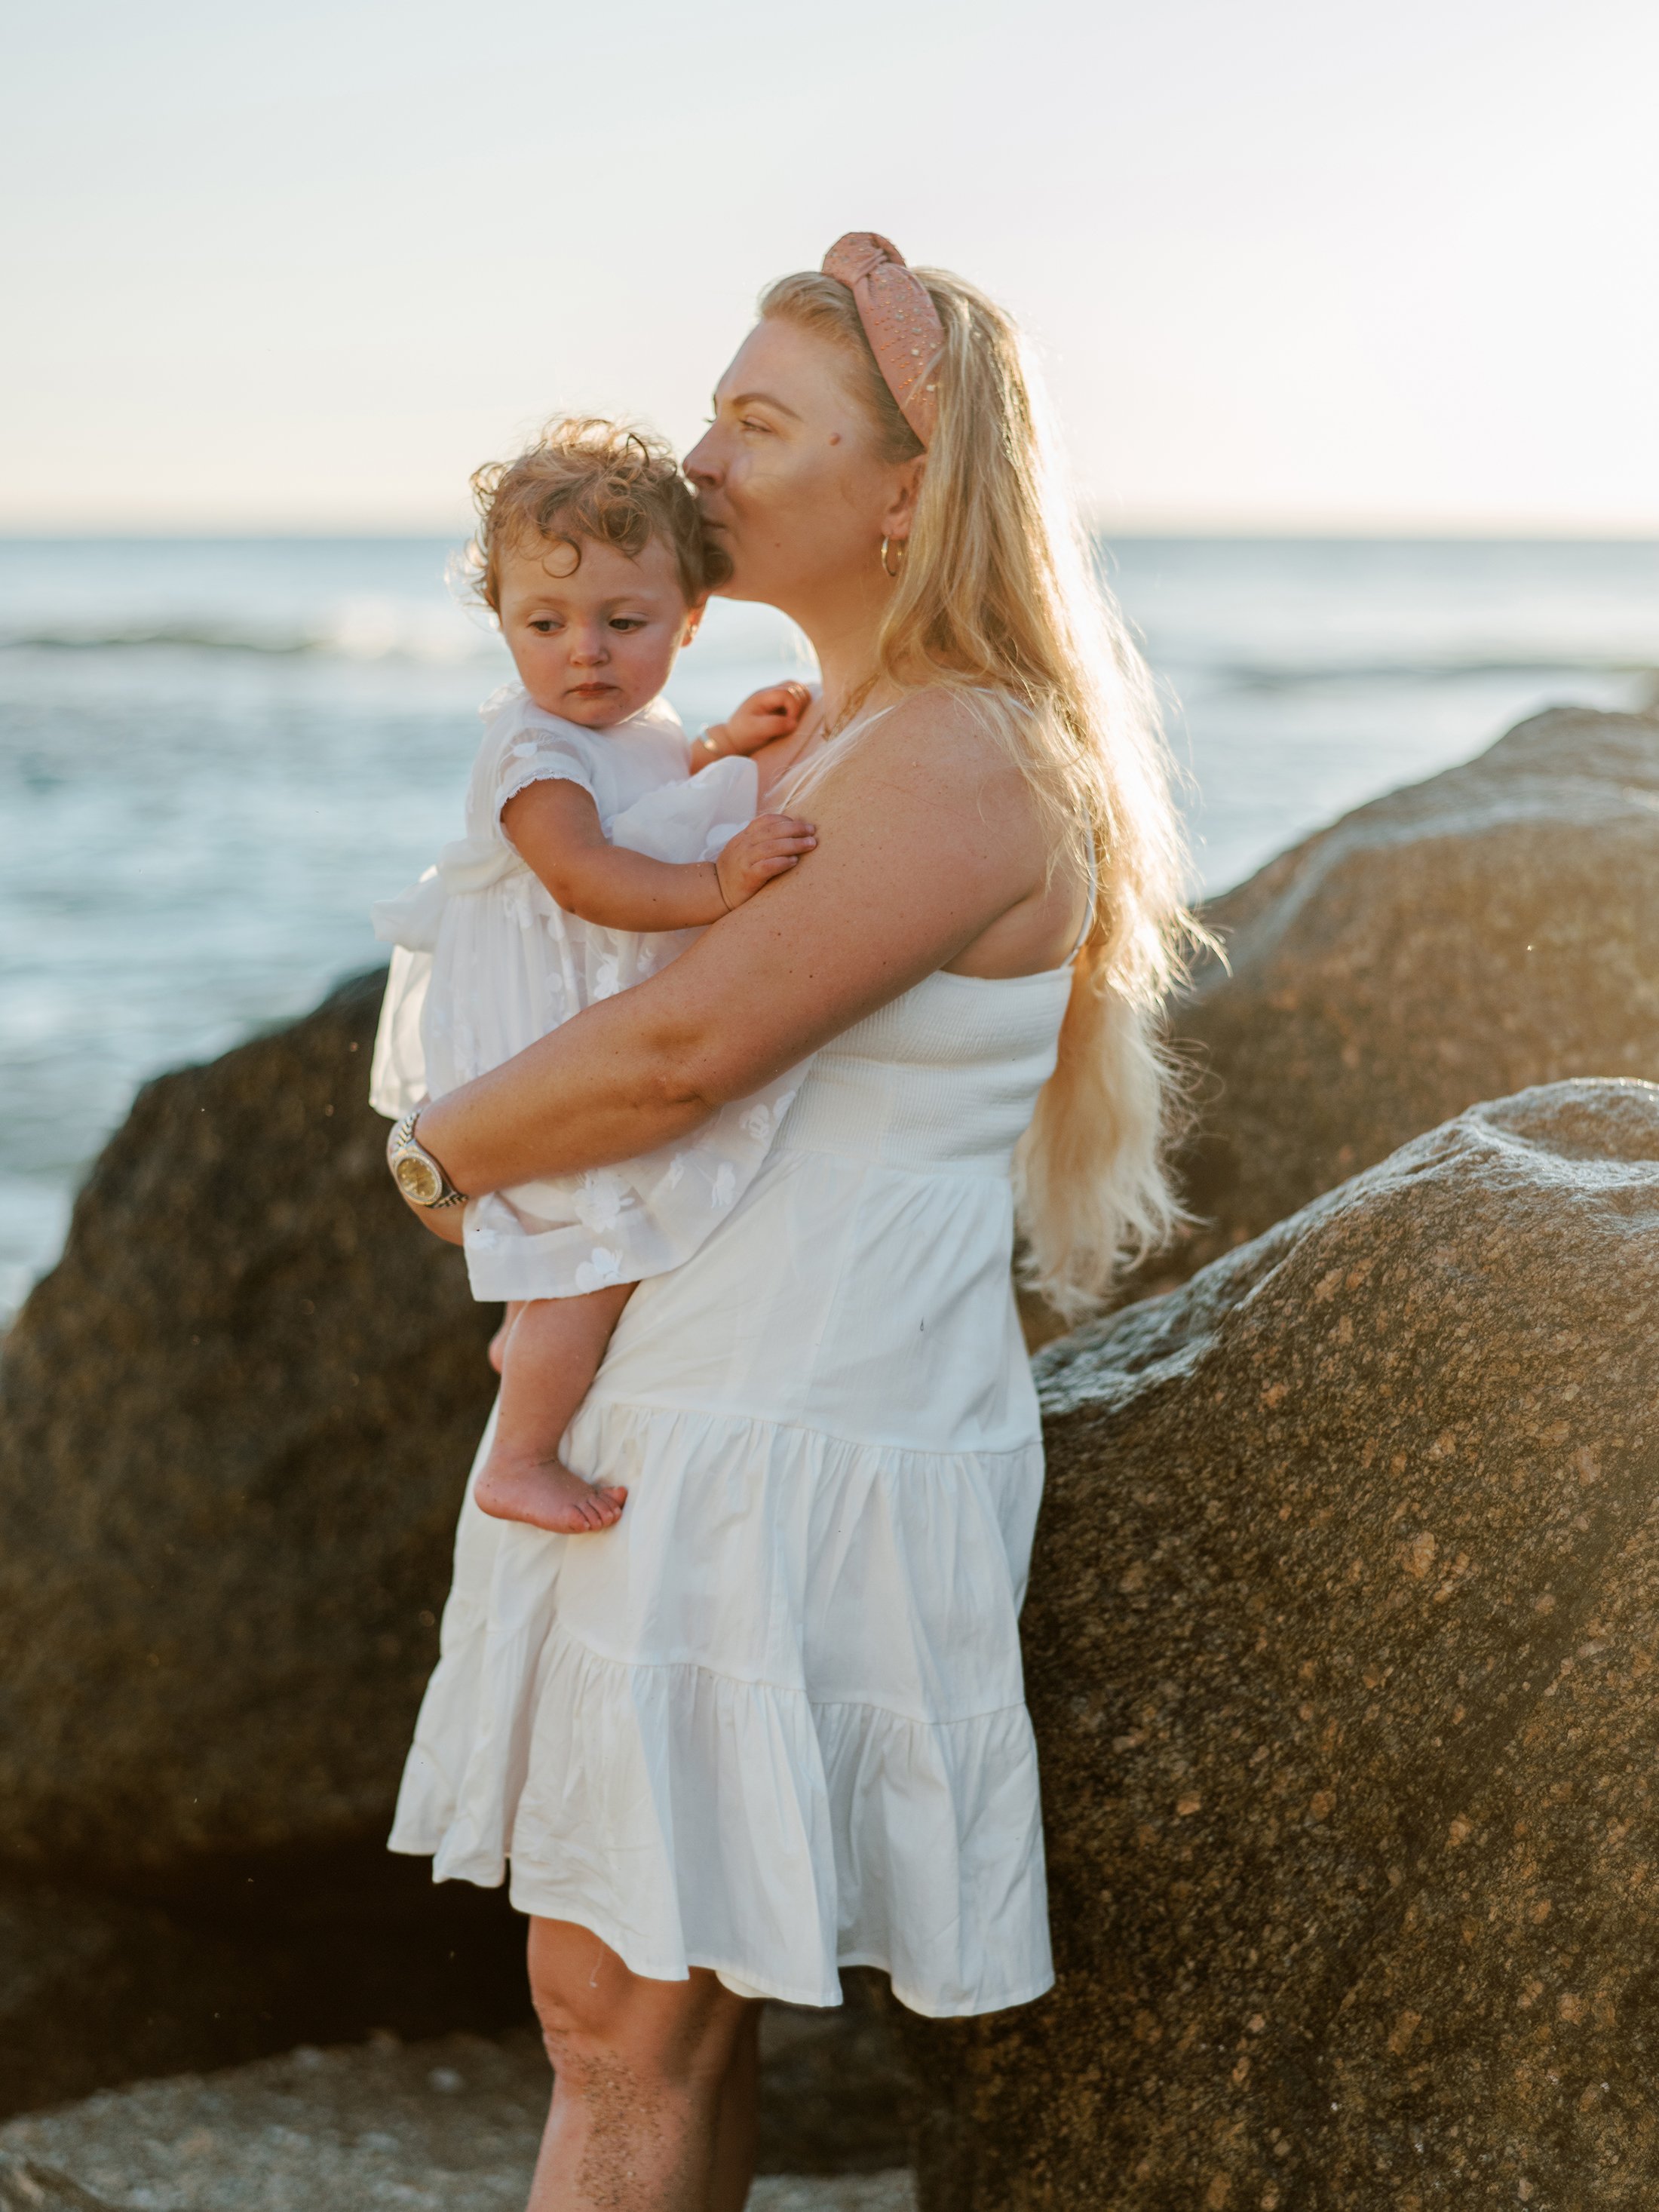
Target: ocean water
<point>214,754</point>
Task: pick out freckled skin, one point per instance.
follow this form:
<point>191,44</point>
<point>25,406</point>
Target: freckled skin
<point>652,2105</point>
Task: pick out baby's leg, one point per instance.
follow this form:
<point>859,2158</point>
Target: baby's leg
<point>552,1354</point>
<point>498,1342</point>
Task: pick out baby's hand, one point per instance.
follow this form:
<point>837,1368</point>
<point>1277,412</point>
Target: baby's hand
<point>764,715</point>
<point>768,845</point>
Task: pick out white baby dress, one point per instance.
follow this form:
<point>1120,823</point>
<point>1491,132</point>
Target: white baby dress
<point>486,961</point>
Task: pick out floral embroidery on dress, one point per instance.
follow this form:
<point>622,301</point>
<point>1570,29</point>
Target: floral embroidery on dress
<point>599,1199</point>
<point>599,1270</point>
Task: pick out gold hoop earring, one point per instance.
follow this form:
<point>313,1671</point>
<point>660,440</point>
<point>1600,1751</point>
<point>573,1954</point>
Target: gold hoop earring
<point>886,570</point>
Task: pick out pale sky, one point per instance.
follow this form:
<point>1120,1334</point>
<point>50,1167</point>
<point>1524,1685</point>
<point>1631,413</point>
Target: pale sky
<point>1317,264</point>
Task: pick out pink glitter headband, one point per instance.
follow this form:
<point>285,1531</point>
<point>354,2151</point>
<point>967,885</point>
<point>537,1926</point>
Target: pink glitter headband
<point>900,320</point>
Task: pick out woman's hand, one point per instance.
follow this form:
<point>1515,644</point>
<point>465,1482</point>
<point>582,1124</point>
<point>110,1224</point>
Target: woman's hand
<point>768,845</point>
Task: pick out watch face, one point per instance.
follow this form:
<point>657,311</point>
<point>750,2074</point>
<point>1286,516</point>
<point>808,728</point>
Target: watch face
<point>418,1179</point>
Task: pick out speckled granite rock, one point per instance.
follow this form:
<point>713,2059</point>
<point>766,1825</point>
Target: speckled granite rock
<point>234,1423</point>
<point>1342,1645</point>
<point>452,2124</point>
<point>1461,938</point>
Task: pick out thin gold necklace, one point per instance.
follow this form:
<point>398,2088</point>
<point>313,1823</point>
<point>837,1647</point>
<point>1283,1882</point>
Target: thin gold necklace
<point>831,730</point>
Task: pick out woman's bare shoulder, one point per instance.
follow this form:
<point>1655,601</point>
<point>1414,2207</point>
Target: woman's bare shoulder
<point>950,740</point>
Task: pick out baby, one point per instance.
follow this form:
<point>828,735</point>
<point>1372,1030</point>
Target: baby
<point>599,839</point>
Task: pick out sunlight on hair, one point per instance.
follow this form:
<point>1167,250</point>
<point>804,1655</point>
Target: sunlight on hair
<point>588,477</point>
<point>997,597</point>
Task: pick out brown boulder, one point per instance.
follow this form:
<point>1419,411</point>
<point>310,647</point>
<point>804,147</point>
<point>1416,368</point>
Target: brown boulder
<point>234,1424</point>
<point>1342,1647</point>
<point>1488,929</point>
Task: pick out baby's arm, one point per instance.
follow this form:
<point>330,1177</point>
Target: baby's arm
<point>764,716</point>
<point>554,827</point>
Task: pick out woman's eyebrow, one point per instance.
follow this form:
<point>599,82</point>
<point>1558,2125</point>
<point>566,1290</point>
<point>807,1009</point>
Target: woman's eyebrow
<point>766,399</point>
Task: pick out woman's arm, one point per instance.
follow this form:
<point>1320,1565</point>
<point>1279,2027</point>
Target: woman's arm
<point>928,836</point>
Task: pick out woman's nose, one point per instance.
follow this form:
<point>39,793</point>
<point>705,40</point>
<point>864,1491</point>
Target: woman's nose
<point>699,463</point>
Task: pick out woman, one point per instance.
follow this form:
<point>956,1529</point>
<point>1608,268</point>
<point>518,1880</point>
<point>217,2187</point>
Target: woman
<point>773,1724</point>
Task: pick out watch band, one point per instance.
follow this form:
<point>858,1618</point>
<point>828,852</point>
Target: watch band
<point>419,1176</point>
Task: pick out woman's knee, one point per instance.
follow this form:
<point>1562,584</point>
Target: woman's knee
<point>601,2022</point>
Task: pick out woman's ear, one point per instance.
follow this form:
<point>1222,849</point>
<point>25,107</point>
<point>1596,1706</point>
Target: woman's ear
<point>902,510</point>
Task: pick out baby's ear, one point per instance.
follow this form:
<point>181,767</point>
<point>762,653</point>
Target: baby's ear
<point>694,615</point>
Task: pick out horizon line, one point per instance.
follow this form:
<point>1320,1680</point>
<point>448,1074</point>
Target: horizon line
<point>1471,529</point>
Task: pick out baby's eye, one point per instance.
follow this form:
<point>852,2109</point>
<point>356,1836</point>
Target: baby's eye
<point>627,622</point>
<point>545,624</point>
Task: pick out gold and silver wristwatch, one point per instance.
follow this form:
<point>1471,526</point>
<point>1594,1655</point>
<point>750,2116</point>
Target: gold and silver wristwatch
<point>415,1172</point>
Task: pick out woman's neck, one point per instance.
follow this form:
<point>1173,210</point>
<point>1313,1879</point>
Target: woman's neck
<point>842,635</point>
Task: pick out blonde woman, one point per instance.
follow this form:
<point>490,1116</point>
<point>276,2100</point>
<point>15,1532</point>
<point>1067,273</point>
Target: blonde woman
<point>771,1724</point>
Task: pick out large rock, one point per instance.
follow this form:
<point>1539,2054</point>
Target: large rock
<point>1342,1645</point>
<point>1491,928</point>
<point>234,1425</point>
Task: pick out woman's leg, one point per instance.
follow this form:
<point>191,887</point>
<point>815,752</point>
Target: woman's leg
<point>640,2068</point>
<point>737,2123</point>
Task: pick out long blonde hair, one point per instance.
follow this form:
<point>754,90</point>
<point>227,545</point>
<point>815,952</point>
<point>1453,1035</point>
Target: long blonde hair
<point>998,596</point>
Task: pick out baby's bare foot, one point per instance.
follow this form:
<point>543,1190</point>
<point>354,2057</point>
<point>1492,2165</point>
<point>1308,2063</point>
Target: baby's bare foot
<point>547,1495</point>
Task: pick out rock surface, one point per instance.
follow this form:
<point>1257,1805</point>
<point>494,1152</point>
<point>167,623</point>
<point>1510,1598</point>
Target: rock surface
<point>1490,928</point>
<point>452,2124</point>
<point>1342,1645</point>
<point>234,1424</point>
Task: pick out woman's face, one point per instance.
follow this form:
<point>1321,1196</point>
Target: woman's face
<point>789,480</point>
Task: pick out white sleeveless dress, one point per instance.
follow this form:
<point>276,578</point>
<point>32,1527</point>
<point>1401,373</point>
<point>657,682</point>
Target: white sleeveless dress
<point>773,1722</point>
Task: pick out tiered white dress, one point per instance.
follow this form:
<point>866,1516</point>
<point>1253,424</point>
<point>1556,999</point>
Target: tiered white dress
<point>772,1722</point>
<point>487,961</point>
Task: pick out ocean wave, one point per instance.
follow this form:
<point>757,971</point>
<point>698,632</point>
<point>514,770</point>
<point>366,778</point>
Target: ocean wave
<point>1450,668</point>
<point>352,637</point>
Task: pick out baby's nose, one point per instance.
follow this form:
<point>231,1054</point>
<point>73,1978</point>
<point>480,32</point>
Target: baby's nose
<point>588,648</point>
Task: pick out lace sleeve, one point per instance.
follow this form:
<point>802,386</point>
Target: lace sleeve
<point>542,756</point>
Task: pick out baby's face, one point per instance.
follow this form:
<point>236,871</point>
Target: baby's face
<point>592,639</point>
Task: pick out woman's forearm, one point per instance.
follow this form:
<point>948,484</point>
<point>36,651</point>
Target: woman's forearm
<point>623,1087</point>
